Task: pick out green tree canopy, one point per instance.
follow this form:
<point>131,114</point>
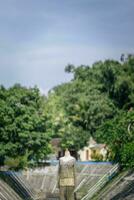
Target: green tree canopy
<point>23,130</point>
<point>96,102</point>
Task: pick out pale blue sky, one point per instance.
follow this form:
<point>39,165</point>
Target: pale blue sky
<point>38,38</point>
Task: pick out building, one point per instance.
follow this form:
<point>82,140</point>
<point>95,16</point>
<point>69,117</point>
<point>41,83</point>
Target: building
<point>93,151</point>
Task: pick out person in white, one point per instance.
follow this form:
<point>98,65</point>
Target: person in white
<point>67,176</point>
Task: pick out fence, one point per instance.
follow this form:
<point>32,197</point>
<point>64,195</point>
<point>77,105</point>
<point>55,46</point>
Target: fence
<point>101,182</point>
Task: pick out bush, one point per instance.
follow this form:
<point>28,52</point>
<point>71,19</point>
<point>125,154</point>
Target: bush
<point>96,156</point>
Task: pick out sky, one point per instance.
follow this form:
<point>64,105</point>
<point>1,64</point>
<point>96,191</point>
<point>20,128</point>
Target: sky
<point>38,38</point>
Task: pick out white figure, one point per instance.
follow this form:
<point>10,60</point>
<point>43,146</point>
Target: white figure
<point>67,176</point>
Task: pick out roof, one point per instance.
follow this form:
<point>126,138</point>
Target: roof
<point>98,146</point>
<point>56,142</point>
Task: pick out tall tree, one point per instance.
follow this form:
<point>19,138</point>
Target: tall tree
<point>23,130</point>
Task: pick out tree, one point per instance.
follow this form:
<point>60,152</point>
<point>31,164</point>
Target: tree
<point>78,108</point>
<point>62,125</point>
<point>96,102</point>
<point>23,130</point>
<point>118,134</point>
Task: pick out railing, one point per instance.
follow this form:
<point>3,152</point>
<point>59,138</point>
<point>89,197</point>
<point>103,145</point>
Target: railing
<point>7,193</point>
<point>48,184</point>
<point>23,184</point>
<point>107,191</point>
<point>17,185</point>
<point>87,173</point>
<point>101,182</point>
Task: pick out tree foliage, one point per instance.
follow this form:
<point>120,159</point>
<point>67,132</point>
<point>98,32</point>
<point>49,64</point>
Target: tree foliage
<point>23,130</point>
<point>97,102</point>
<point>118,134</point>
